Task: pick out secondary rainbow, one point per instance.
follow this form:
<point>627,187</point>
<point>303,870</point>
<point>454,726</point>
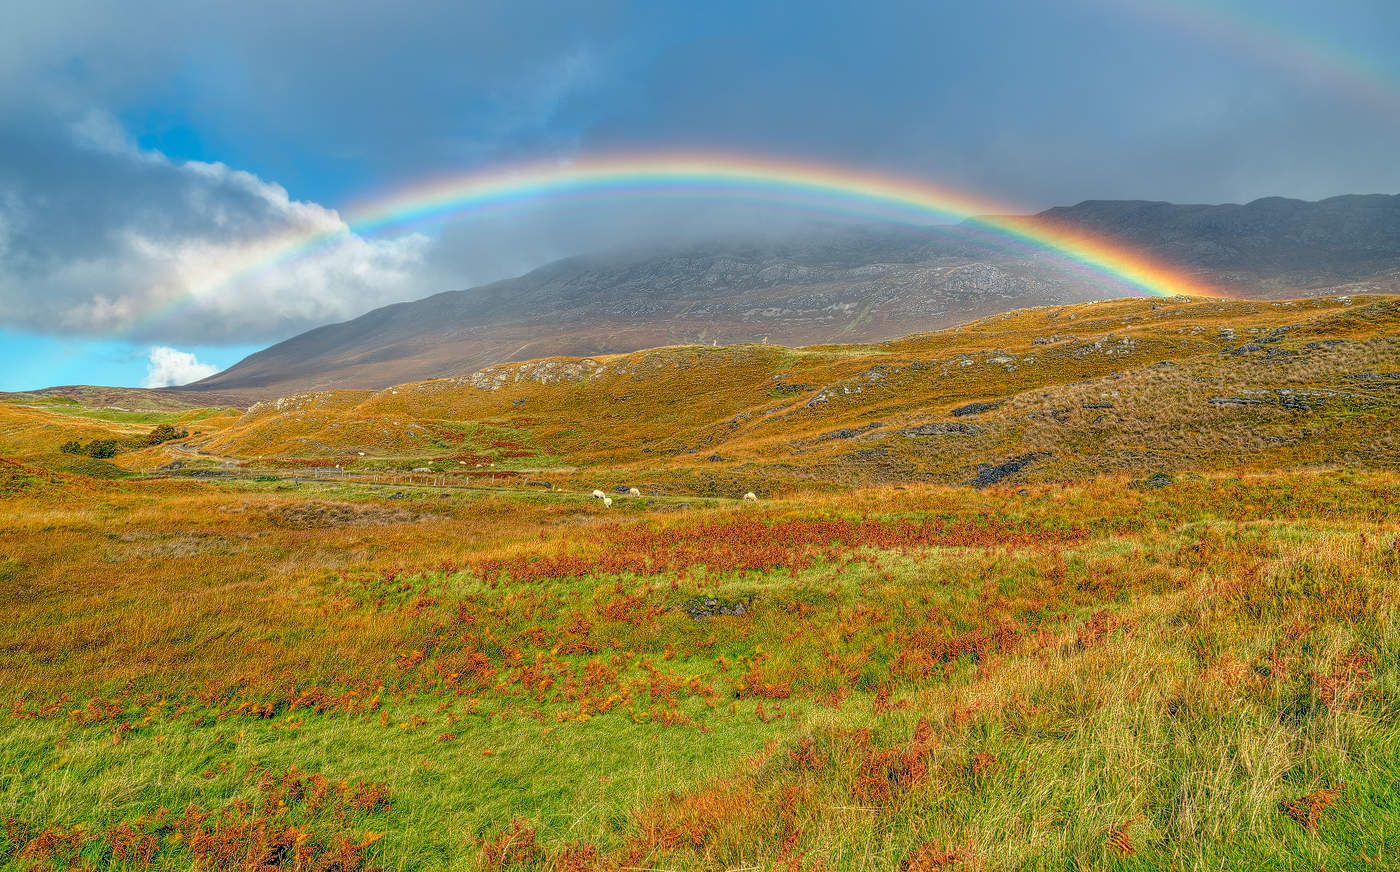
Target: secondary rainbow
<point>841,190</point>
<point>1267,37</point>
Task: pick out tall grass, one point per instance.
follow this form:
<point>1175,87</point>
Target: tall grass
<point>1091,675</point>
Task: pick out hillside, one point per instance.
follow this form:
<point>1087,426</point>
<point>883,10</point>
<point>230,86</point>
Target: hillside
<point>1108,585</point>
<point>1057,393</point>
<point>835,284</point>
<point>34,426</point>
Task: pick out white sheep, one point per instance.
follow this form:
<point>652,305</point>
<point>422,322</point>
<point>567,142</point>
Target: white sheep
<point>599,495</point>
<point>633,492</point>
<point>750,498</point>
<point>607,502</point>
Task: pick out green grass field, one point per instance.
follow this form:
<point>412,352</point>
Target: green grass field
<point>1198,676</point>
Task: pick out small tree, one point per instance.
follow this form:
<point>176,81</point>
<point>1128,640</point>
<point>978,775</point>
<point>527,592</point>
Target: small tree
<point>72,446</point>
<point>101,448</point>
<point>165,433</point>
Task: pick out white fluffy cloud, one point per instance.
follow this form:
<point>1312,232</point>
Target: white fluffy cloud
<point>99,237</point>
<point>169,366</point>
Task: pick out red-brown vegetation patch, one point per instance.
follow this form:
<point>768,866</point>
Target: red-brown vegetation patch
<point>806,757</point>
<point>884,773</point>
<point>921,648</point>
<point>982,762</point>
<point>694,819</point>
<point>1346,681</point>
<point>1119,840</point>
<point>514,847</point>
<point>751,544</point>
<point>245,836</point>
<point>1095,631</point>
<point>932,857</point>
<point>1307,809</point>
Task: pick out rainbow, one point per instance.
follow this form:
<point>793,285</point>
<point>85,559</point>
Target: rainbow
<point>1304,55</point>
<point>846,191</point>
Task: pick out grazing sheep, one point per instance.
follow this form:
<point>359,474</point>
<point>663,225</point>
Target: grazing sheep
<point>607,502</point>
<point>598,495</point>
<point>750,498</point>
<point>633,492</point>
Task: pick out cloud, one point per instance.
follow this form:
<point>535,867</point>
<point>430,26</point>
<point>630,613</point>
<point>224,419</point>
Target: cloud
<point>169,366</point>
<point>101,238</point>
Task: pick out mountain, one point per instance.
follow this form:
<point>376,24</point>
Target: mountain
<point>846,284</point>
<point>1272,241</point>
<point>826,285</point>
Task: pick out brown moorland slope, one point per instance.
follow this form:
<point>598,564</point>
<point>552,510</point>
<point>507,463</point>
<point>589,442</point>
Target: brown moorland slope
<point>836,286</point>
<point>1133,385</point>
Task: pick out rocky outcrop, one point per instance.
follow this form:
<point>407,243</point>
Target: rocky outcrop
<point>941,429</point>
<point>989,474</point>
<point>976,408</point>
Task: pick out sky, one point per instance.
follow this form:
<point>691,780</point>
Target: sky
<point>151,150</point>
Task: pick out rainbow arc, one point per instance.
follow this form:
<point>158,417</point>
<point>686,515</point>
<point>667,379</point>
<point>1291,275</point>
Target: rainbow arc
<point>832,189</point>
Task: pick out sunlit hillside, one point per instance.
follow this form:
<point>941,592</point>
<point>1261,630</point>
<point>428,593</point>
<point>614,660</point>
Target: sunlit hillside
<point>1130,386</point>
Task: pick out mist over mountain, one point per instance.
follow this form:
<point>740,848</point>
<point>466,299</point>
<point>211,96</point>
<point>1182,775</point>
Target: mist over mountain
<point>846,284</point>
<point>828,284</point>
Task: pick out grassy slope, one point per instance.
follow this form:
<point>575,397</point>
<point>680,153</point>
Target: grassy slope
<point>32,427</point>
<point>1080,675</point>
<point>1130,385</point>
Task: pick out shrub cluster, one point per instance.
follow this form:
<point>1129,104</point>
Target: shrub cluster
<point>104,448</point>
<point>100,448</point>
<point>165,433</point>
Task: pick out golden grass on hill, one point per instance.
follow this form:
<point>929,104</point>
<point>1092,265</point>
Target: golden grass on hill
<point>1126,386</point>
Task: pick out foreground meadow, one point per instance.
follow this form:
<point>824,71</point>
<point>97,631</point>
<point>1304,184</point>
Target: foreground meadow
<point>1164,674</point>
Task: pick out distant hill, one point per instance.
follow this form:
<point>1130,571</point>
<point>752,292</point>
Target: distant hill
<point>1270,240</point>
<point>1059,393</point>
<point>831,285</point>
